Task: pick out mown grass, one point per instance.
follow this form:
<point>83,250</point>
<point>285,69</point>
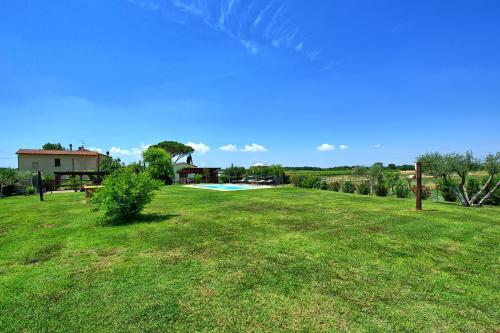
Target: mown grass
<point>281,259</point>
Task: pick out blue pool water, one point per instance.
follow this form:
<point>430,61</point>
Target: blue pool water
<point>226,187</point>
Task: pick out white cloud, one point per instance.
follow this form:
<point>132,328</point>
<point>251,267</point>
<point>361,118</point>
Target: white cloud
<point>119,151</point>
<point>299,47</point>
<point>136,152</point>
<point>250,46</point>
<point>254,148</point>
<point>199,147</point>
<point>259,164</point>
<point>377,146</point>
<point>326,147</point>
<point>99,150</point>
<point>343,147</point>
<point>228,148</point>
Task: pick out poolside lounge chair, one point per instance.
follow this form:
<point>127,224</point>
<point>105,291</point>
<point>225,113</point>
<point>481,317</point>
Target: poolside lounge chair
<point>241,181</point>
<point>269,182</point>
<point>261,182</point>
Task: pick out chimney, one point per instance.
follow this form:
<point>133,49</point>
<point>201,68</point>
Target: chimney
<point>70,147</point>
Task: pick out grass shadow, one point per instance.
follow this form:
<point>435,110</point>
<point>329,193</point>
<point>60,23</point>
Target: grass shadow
<point>142,218</point>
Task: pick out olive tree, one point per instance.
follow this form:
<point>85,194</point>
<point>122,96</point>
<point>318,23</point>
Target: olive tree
<point>444,166</point>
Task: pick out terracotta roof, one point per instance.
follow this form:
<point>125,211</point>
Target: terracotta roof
<point>57,152</point>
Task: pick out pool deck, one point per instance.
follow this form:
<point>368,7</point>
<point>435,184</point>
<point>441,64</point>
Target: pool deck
<point>234,187</point>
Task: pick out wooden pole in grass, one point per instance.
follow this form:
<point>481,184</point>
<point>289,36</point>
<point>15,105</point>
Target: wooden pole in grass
<point>39,180</point>
<point>418,194</point>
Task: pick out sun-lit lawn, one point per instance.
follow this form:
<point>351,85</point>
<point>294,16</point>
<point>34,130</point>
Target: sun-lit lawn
<point>281,259</point>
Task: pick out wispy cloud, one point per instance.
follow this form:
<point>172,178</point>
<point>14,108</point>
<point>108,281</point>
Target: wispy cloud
<point>254,148</point>
<point>228,148</point>
<point>377,146</point>
<point>254,24</point>
<point>199,147</point>
<point>250,46</point>
<point>326,147</point>
<point>343,147</point>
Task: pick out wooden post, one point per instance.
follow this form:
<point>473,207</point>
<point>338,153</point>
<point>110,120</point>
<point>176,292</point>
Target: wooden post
<point>40,189</point>
<point>418,194</point>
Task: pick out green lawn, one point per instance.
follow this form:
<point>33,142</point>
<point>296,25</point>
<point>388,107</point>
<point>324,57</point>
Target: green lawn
<point>281,259</point>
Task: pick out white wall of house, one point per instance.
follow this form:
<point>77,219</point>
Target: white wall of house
<point>47,163</point>
<point>181,166</point>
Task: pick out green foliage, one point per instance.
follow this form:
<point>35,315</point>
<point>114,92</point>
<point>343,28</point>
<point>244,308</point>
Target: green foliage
<point>392,179</point>
<point>53,146</point>
<point>48,183</point>
<point>381,189</point>
<point>473,186</point>
<point>313,182</point>
<point>494,198</point>
<point>296,180</point>
<point>30,190</point>
<point>233,173</point>
<point>348,187</point>
<point>426,191</point>
<point>392,167</point>
<point>448,189</point>
<point>124,195</point>
<point>401,189</point>
<point>364,188</point>
<point>198,179</point>
<point>110,165</point>
<point>360,171</point>
<point>74,183</point>
<point>335,186</point>
<point>8,176</point>
<point>176,150</point>
<point>159,164</point>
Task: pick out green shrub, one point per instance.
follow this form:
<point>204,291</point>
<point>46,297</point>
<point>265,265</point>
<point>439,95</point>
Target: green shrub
<point>312,182</point>
<point>335,186</point>
<point>198,179</point>
<point>401,190</point>
<point>473,186</point>
<point>348,187</point>
<point>48,183</point>
<point>30,190</point>
<point>448,189</point>
<point>296,180</point>
<point>364,188</point>
<point>426,191</point>
<point>124,195</point>
<point>494,198</point>
<point>381,189</point>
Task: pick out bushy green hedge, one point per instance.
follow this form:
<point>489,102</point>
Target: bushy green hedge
<point>402,190</point>
<point>348,187</point>
<point>124,195</point>
<point>364,188</point>
<point>335,186</point>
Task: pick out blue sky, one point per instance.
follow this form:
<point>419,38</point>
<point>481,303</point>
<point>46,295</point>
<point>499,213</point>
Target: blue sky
<point>320,83</point>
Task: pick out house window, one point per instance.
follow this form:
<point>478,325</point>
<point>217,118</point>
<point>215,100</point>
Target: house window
<point>34,165</point>
<point>57,162</point>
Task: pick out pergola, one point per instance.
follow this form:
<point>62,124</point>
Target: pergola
<point>210,175</point>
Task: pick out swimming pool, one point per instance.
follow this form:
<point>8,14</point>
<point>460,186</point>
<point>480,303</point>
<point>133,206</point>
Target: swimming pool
<point>228,187</point>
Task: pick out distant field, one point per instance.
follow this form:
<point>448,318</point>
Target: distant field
<point>344,175</point>
<point>319,173</point>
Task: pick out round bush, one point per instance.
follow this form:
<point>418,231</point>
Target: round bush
<point>401,190</point>
<point>364,188</point>
<point>348,187</point>
<point>335,186</point>
<point>124,195</point>
<point>381,190</point>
